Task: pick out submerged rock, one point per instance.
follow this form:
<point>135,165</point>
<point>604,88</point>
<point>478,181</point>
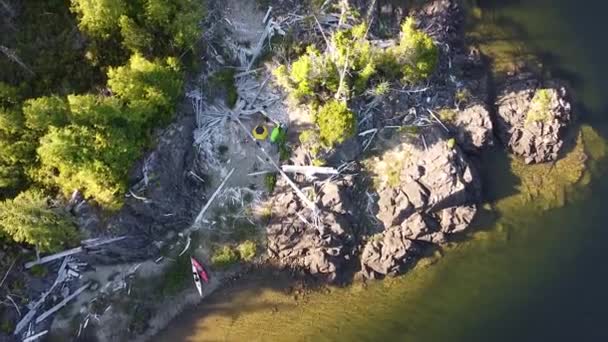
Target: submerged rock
<point>532,118</point>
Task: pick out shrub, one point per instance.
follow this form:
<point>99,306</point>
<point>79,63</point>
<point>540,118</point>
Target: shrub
<point>336,122</point>
<point>247,250</point>
<point>462,96</point>
<point>270,181</point>
<point>540,107</point>
<point>417,51</point>
<point>447,115</point>
<point>29,219</point>
<point>224,257</point>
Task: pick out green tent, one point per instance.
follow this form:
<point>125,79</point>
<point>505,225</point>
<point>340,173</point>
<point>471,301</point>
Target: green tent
<point>277,135</point>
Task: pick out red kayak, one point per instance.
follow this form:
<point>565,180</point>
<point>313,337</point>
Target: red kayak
<point>199,269</point>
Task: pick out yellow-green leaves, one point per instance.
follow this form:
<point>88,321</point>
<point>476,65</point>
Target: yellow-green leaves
<point>336,122</point>
<point>29,219</point>
<point>99,18</point>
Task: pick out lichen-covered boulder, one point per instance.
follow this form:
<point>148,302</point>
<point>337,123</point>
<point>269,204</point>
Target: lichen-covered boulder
<point>533,118</point>
<point>427,190</point>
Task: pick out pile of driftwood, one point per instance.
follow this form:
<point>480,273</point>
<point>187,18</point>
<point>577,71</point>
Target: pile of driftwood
<point>70,270</point>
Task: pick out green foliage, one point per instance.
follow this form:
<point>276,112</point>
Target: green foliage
<point>336,122</point>
<point>150,89</point>
<point>42,112</point>
<point>540,107</point>
<point>224,257</point>
<point>381,89</point>
<point>462,96</point>
<point>99,18</point>
<point>142,22</point>
<point>94,161</point>
<point>318,162</point>
<point>270,181</point>
<point>417,53</point>
<point>17,151</point>
<point>9,96</point>
<point>96,111</point>
<point>135,37</point>
<point>447,115</point>
<point>247,250</point>
<point>451,143</point>
<point>29,219</point>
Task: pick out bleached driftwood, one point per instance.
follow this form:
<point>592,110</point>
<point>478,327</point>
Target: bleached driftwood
<point>25,320</point>
<point>259,173</point>
<point>437,119</point>
<point>187,246</point>
<point>36,336</point>
<point>309,171</point>
<point>208,204</point>
<point>86,243</point>
<point>197,177</point>
<point>61,304</point>
<point>12,55</point>
<point>7,272</point>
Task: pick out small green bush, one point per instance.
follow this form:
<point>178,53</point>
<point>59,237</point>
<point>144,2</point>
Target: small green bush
<point>225,257</point>
<point>270,181</point>
<point>462,96</point>
<point>451,143</point>
<point>247,250</point>
<point>336,123</point>
<point>417,53</point>
<point>447,115</point>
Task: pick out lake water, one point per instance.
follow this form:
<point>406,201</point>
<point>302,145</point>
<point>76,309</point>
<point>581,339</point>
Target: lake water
<point>529,275</point>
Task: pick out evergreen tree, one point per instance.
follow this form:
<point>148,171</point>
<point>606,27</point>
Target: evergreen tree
<point>150,89</point>
<point>99,18</point>
<point>42,112</point>
<point>29,219</point>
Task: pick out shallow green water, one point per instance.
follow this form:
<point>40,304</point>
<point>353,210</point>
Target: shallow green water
<point>530,276</point>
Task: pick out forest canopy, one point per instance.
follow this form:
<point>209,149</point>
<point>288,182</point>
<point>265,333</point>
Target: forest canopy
<point>77,108</point>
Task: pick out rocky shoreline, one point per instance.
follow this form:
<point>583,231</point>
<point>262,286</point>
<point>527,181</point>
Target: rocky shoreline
<point>439,188</point>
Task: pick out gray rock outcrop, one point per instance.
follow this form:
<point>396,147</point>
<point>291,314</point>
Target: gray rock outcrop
<point>435,197</point>
<point>295,240</point>
<point>472,128</point>
<point>532,118</point>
